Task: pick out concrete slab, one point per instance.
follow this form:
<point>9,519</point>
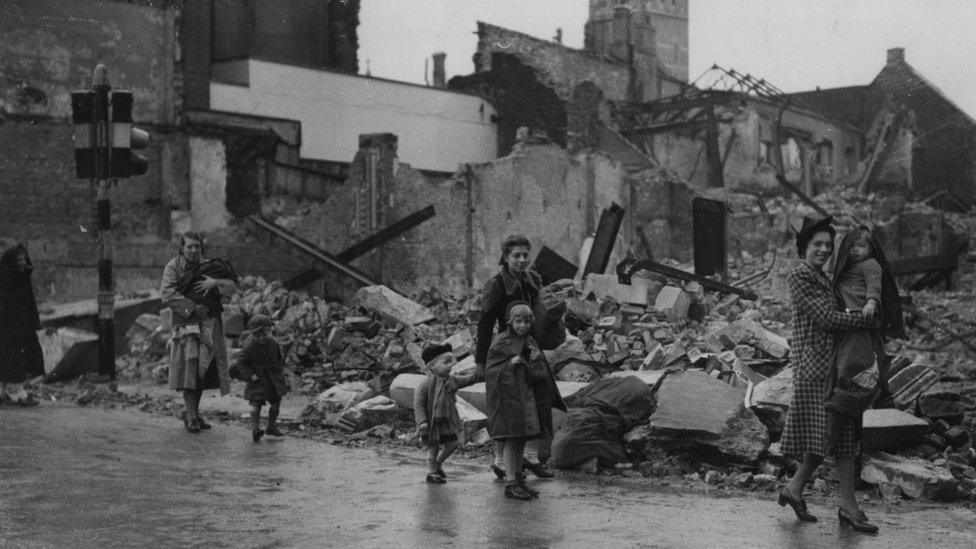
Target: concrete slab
<point>917,478</point>
<point>891,429</point>
<point>68,353</point>
<point>393,305</point>
<point>606,285</point>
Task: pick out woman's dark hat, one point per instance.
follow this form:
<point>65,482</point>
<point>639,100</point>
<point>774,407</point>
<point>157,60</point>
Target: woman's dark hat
<point>433,351</point>
<point>809,228</point>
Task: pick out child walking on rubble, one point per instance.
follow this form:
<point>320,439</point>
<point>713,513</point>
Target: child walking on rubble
<point>261,363</point>
<point>435,410</point>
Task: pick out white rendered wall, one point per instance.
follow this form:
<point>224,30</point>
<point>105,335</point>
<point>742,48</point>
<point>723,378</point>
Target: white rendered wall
<point>437,129</point>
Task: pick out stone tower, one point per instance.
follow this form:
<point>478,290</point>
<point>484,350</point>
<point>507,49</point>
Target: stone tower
<point>649,35</point>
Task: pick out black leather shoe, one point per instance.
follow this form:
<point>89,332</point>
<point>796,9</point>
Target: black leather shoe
<point>499,472</point>
<point>858,522</point>
<point>537,469</point>
<point>203,424</point>
<point>521,481</point>
<point>799,506</point>
<point>273,431</point>
<point>515,491</point>
<point>191,425</point>
<point>434,478</point>
<point>256,434</point>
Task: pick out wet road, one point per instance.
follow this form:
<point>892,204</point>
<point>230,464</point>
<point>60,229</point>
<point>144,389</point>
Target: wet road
<point>78,477</point>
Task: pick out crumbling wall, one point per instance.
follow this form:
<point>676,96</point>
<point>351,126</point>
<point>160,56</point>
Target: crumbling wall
<point>560,68</point>
<point>49,48</point>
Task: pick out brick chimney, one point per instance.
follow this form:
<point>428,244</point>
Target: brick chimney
<point>440,81</point>
<point>896,55</point>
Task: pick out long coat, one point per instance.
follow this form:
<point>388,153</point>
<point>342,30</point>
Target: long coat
<point>192,339</point>
<point>517,409</point>
<point>500,291</point>
<point>817,320</point>
<point>263,358</point>
<point>20,351</point>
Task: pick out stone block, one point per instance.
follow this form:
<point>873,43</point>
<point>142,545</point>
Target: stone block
<point>68,353</point>
<point>392,305</point>
<point>890,429</point>
<point>577,371</point>
<point>651,377</point>
<point>776,391</point>
<point>369,413</point>
<point>654,359</point>
<point>475,394</point>
<point>583,308</point>
<point>673,302</point>
<point>472,419</point>
<point>606,285</point>
<point>694,409</point>
<point>402,388</point>
<point>464,367</point>
<point>910,382</point>
<point>941,401</point>
<point>461,343</point>
<point>344,396</point>
<point>917,478</point>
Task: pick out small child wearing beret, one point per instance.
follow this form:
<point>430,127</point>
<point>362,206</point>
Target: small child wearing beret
<point>435,410</point>
<point>262,364</point>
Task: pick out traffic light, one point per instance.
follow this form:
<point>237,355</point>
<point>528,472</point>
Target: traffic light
<point>126,139</point>
<point>83,118</point>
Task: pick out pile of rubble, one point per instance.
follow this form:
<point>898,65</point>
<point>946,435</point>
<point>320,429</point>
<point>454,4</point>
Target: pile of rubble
<point>662,378</point>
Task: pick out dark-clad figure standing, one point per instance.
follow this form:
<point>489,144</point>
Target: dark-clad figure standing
<point>818,320</point>
<point>20,350</point>
<point>515,281</point>
<point>197,350</point>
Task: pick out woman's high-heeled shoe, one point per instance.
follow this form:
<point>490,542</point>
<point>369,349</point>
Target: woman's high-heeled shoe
<point>499,472</point>
<point>799,506</point>
<point>858,522</point>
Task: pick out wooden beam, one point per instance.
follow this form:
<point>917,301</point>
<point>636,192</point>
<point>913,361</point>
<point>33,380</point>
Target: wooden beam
<point>627,267</point>
<point>801,195</point>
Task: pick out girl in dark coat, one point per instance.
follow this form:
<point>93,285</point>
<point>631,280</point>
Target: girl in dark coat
<point>515,281</point>
<point>261,363</point>
<point>20,350</point>
<point>520,391</point>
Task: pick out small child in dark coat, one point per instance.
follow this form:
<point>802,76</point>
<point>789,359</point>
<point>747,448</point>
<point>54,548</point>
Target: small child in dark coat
<point>435,409</point>
<point>262,365</point>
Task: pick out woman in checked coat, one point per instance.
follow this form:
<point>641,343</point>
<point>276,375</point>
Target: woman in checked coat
<point>818,317</point>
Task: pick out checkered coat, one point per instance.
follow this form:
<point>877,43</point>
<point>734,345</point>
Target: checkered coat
<point>817,319</point>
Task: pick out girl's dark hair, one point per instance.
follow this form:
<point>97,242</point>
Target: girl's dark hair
<point>511,242</point>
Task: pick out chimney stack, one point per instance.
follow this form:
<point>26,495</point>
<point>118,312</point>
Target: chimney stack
<point>896,55</point>
<point>440,80</point>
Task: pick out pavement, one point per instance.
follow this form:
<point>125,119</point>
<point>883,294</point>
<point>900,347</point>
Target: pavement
<point>91,477</point>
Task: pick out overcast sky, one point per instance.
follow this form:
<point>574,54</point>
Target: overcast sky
<point>795,45</point>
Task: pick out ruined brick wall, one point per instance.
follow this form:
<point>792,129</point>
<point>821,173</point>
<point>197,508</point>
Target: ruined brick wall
<point>539,190</point>
<point>559,67</point>
<point>745,131</point>
<point>49,48</point>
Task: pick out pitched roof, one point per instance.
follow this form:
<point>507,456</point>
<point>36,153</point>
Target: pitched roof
<point>850,104</point>
<point>932,108</point>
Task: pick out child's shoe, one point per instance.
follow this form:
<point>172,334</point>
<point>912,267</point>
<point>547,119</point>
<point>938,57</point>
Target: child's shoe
<point>516,491</point>
<point>256,434</point>
<point>521,482</point>
<point>272,431</point>
<point>434,478</point>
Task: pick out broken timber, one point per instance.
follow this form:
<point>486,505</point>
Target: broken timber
<point>603,242</point>
<point>800,194</point>
<point>356,250</point>
<point>627,267</point>
<point>323,258</point>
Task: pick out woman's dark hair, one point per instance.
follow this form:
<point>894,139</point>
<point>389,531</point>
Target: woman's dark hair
<point>809,229</point>
<point>511,242</point>
<point>191,235</point>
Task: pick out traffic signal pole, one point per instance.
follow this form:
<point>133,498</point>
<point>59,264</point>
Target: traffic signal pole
<point>105,325</point>
<point>106,145</point>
